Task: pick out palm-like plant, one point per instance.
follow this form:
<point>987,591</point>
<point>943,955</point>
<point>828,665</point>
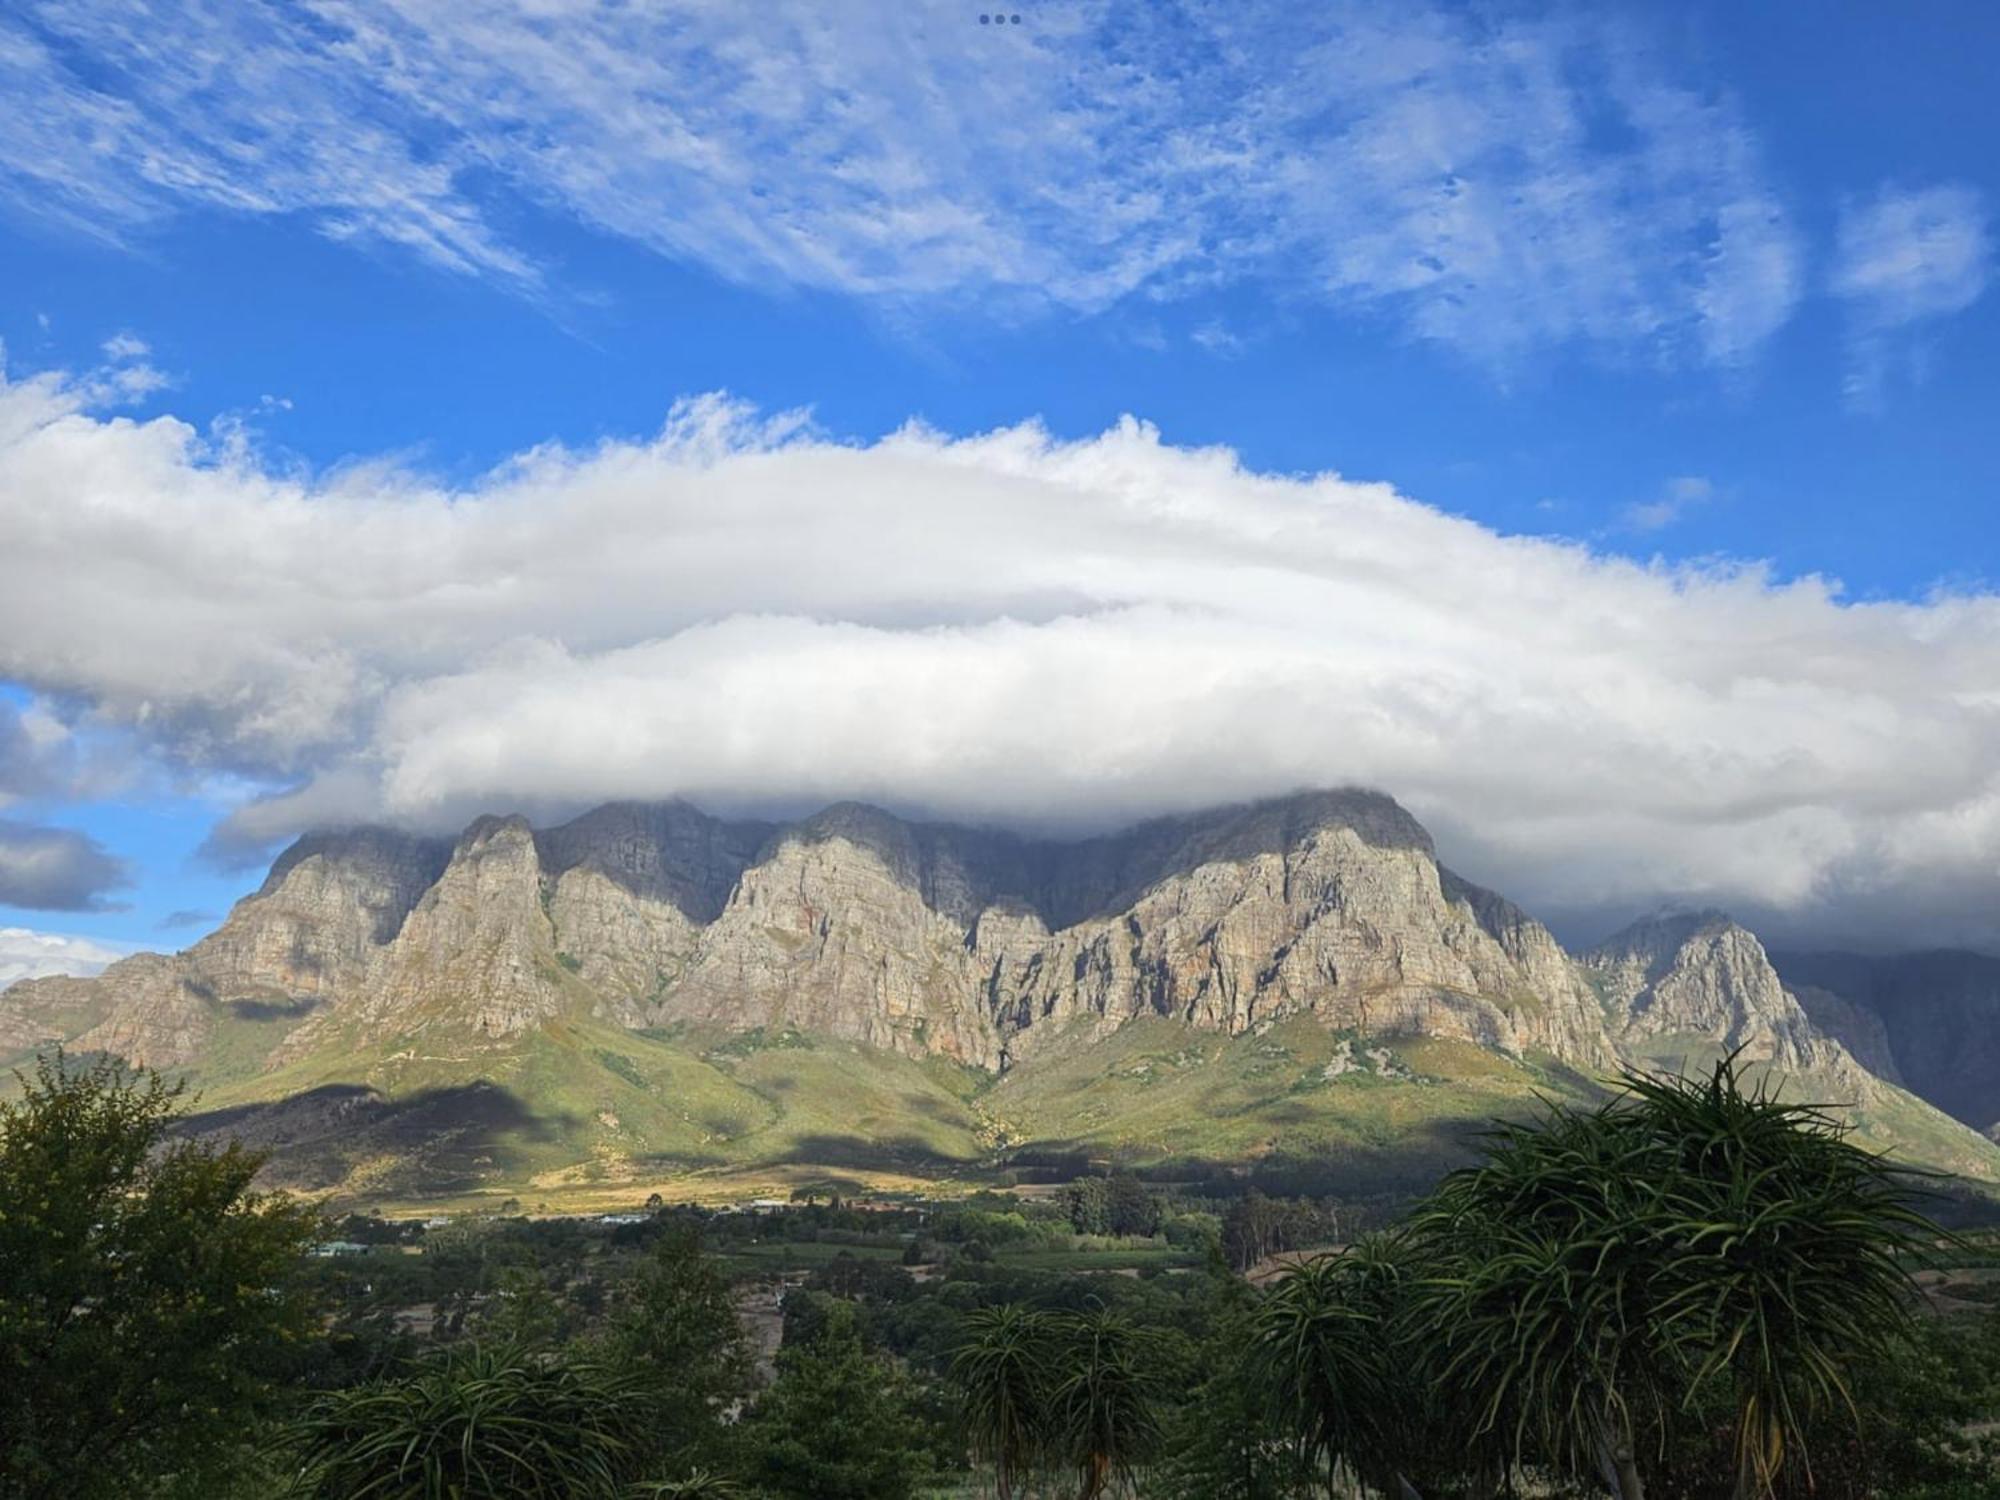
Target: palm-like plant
<point>1546,1289</point>
<point>1791,1250</point>
<point>1318,1358</point>
<point>1337,1356</point>
<point>1003,1375</point>
<point>480,1421</point>
<point>1605,1268</point>
<point>1102,1403</point>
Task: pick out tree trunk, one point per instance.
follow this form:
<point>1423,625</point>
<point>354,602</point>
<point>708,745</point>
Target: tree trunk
<point>1096,1475</point>
<point>1760,1450</point>
<point>1621,1469</point>
<point>1629,1487</point>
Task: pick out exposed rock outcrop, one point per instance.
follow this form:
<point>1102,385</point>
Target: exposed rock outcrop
<point>630,887</point>
<point>926,939</point>
<point>1698,975</point>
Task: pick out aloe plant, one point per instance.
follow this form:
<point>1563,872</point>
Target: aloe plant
<point>1003,1374</point>
<point>480,1421</point>
<point>1604,1270</point>
<point>1103,1407</point>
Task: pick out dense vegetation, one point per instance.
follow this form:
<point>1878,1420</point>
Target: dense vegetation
<point>1692,1291</point>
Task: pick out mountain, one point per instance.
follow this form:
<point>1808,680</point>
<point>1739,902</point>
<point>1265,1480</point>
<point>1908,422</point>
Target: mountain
<point>648,993</point>
<point>1938,1014</point>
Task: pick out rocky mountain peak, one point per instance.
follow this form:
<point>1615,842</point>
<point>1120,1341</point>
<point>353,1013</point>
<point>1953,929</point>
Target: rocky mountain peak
<point>1698,975</point>
<point>932,938</point>
<point>664,852</point>
<point>1661,935</point>
<point>510,830</point>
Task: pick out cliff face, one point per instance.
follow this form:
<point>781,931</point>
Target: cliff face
<point>630,887</point>
<point>312,933</point>
<point>924,939</point>
<point>1700,975</point>
<point>989,949</point>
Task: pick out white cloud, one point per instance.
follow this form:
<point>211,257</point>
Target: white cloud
<point>999,627</point>
<point>1496,185</point>
<point>27,954</point>
<point>1905,257</point>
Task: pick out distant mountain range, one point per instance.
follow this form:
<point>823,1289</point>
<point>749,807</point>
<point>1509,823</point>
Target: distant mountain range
<point>649,995</point>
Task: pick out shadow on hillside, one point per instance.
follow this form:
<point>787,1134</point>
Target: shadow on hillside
<point>905,1153</point>
<point>433,1143</point>
<point>944,1111</point>
<point>272,1010</point>
<point>1406,1166</point>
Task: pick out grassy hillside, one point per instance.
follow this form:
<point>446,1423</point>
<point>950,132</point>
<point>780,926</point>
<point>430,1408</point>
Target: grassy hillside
<point>579,1115</point>
<point>1375,1113</point>
<point>575,1114</point>
<point>1892,1121</point>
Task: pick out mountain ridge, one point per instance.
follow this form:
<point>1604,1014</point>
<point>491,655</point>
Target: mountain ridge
<point>370,957</point>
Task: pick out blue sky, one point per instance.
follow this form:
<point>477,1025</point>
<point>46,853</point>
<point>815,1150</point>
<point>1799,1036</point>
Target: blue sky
<point>1703,288</point>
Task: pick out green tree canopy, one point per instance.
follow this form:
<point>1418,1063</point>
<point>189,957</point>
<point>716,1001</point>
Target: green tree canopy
<point>840,1423</point>
<point>146,1291</point>
<point>675,1323</point>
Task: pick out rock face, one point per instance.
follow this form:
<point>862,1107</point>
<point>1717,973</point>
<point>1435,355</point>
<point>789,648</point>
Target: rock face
<point>630,887</point>
<point>986,948</point>
<point>1699,975</point>
<point>926,939</point>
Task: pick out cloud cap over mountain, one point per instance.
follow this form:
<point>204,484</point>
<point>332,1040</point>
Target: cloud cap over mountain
<point>1002,627</point>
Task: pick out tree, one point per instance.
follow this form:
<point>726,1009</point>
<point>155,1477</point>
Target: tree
<point>1333,1353</point>
<point>147,1293</point>
<point>839,1423</point>
<point>1546,1291</point>
<point>1230,1440</point>
<point>524,1310</point>
<point>1102,1405</point>
<point>1128,1207</point>
<point>1319,1358</point>
<point>482,1421</point>
<point>1606,1270</point>
<point>1003,1375</point>
<point>1787,1253</point>
<point>1256,1228</point>
<point>675,1325</point>
<point>1084,1204</point>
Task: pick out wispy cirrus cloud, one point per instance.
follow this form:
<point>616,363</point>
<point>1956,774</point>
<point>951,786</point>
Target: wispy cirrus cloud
<point>1906,257</point>
<point>1677,497</point>
<point>1497,185</point>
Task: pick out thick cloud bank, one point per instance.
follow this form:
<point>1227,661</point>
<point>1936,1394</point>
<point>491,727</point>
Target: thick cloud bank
<point>1004,628</point>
